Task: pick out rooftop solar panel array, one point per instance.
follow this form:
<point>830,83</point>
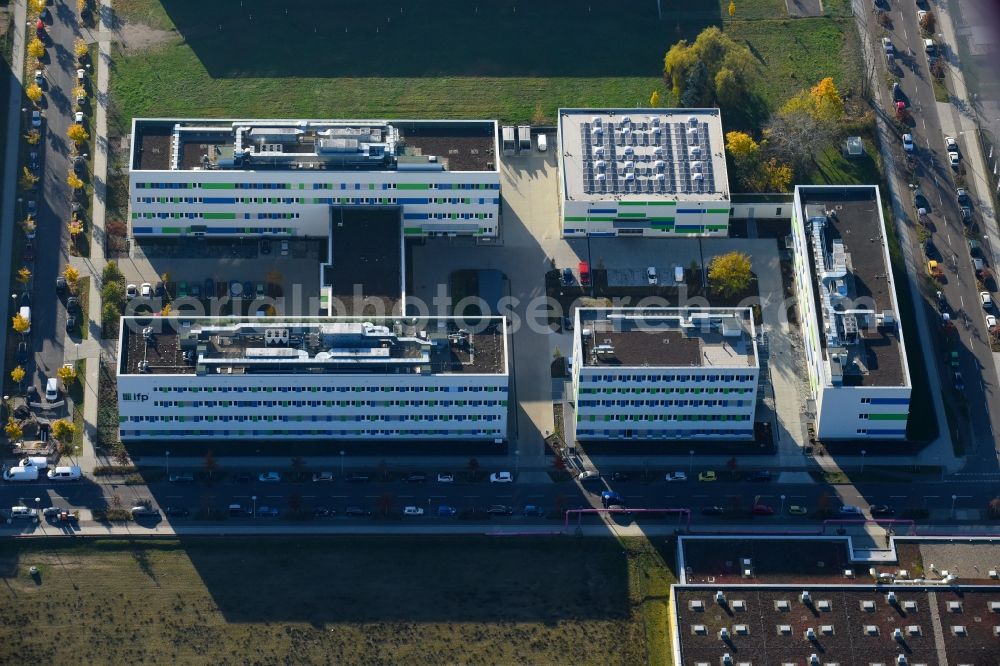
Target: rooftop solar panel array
<point>646,155</point>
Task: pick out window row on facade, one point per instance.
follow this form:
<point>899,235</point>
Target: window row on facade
<point>663,417</point>
<point>659,434</point>
<point>667,378</point>
<point>125,433</point>
<point>329,389</point>
<point>665,403</point>
<point>316,186</point>
<point>210,418</point>
<point>675,390</point>
<point>328,403</point>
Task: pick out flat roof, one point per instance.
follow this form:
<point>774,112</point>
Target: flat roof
<point>850,626</point>
<point>186,144</point>
<point>853,287</point>
<point>311,345</point>
<point>642,154</point>
<point>667,337</point>
<point>365,271</point>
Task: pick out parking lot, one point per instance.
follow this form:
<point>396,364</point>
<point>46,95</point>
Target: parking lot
<point>290,281</point>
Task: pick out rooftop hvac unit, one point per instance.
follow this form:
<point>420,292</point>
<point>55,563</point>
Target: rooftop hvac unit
<point>660,165</point>
<point>696,167</point>
<point>599,165</point>
<point>629,150</point>
<point>629,164</point>
<point>810,634</point>
<point>597,131</point>
<point>599,151</point>
<point>629,177</point>
<point>723,633</point>
<point>697,178</point>
<point>596,120</point>
<point>694,152</point>
<point>660,178</point>
<point>720,598</point>
<point>600,178</point>
<point>656,131</point>
<point>805,597</point>
<point>693,121</point>
<point>626,121</point>
<point>658,151</point>
<point>275,336</point>
<point>692,135</point>
<point>654,121</point>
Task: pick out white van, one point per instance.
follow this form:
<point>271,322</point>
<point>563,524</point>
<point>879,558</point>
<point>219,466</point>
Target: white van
<point>679,274</point>
<point>543,143</point>
<point>26,313</point>
<point>72,473</point>
<point>52,389</point>
<point>930,47</point>
<point>41,462</point>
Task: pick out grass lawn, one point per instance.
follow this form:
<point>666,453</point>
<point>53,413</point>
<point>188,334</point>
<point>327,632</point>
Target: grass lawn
<point>833,168</point>
<point>359,600</point>
<point>447,58</point>
<point>77,394</point>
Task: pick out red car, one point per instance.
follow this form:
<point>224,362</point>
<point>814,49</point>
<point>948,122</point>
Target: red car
<point>762,510</point>
<point>584,269</point>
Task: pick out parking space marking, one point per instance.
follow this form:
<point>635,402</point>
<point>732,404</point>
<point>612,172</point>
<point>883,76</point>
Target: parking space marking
<point>898,496</point>
<point>274,496</point>
<point>471,496</point>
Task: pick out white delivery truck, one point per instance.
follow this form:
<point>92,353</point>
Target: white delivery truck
<point>508,140</point>
<point>41,462</point>
<point>524,139</point>
<point>71,473</point>
<point>21,473</point>
<point>26,313</point>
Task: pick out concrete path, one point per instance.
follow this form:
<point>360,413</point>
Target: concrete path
<point>13,140</point>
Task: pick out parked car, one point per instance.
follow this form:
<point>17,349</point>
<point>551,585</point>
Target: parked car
<point>651,277</point>
<point>160,290</point>
<point>131,291</point>
<point>762,510</point>
<point>963,196</point>
<point>269,477</point>
<point>194,289</point>
<point>707,475</point>
<point>882,510</point>
<point>445,478</point>
<point>146,290</point>
<point>267,512</point>
<point>36,118</point>
<point>323,512</point>
<point>142,510</point>
<point>908,143</point>
<point>356,512</point>
<point>954,160</point>
<point>567,277</point>
<point>22,353</point>
<point>182,289</point>
<point>797,510</point>
<point>416,477</point>
<point>986,300</point>
<point>61,285</point>
<point>501,477</point>
<point>500,510</point>
<point>322,476</point>
<point>533,511</point>
<point>761,476</point>
<point>584,269</point>
<point>957,381</point>
<point>177,512</point>
<point>70,323</point>
<point>850,510</point>
<point>676,476</point>
<point>73,304</point>
<point>609,497</point>
<point>713,511</point>
<point>265,246</point>
<point>182,478</point>
<point>413,511</point>
<point>446,511</point>
<point>29,252</point>
<point>589,475</point>
<point>209,288</point>
<point>284,248</point>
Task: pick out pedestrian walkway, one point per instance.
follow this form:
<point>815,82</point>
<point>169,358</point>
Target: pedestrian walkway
<point>13,140</point>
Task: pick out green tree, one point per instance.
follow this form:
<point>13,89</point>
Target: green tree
<point>23,274</point>
<point>775,176</point>
<point>654,99</point>
<point>36,49</point>
<point>67,373</point>
<point>20,323</point>
<point>77,133</point>
<point>114,294</point>
<point>826,101</point>
<point>63,431</point>
<point>110,315</point>
<point>111,272</point>
<point>33,92</point>
<point>17,375</point>
<point>729,72</point>
<point>697,92</point>
<point>732,10</point>
<point>27,179</point>
<point>730,273</point>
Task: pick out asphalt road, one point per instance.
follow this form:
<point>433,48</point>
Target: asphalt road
<point>735,497</point>
<point>48,326</point>
<point>978,402</point>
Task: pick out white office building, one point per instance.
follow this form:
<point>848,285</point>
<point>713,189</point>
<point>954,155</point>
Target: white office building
<point>643,172</point>
<point>859,378</point>
<point>219,178</point>
<point>333,379</point>
<point>665,373</point>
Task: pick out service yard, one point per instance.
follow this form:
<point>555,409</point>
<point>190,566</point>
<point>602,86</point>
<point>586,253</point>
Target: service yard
<point>352,600</point>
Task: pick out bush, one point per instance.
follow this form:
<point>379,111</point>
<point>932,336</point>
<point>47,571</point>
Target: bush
<point>111,273</point>
<point>134,480</point>
<point>115,470</point>
<point>111,515</point>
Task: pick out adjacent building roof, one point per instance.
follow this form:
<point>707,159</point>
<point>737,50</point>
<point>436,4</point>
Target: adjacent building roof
<point>310,345</point>
<point>643,154</point>
<point>667,337</point>
<point>364,276</point>
<point>853,286</point>
<point>165,144</point>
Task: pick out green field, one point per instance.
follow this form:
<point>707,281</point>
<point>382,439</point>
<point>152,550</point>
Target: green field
<point>357,600</point>
<point>503,59</point>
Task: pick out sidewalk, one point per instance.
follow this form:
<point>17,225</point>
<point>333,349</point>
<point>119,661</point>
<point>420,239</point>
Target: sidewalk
<point>400,527</point>
<point>93,266</point>
<point>13,140</point>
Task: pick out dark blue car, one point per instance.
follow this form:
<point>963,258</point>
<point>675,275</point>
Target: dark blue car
<point>446,511</point>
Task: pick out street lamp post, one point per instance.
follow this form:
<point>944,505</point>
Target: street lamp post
<point>254,499</point>
<point>342,464</point>
<point>781,512</point>
<point>167,454</point>
<point>863,452</point>
<point>953,498</point>
<point>517,461</point>
<point>691,461</point>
